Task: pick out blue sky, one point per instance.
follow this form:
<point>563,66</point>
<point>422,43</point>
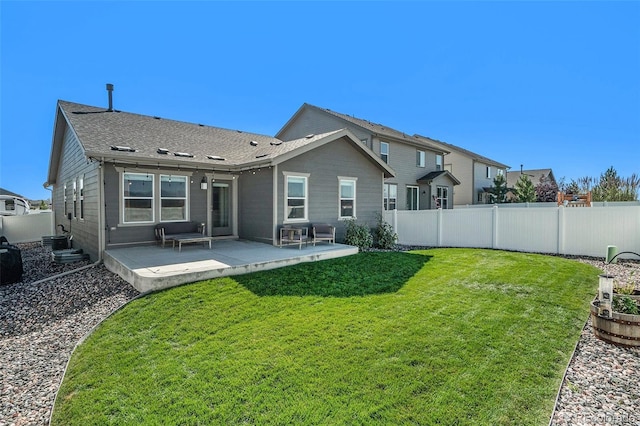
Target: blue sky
<point>544,84</point>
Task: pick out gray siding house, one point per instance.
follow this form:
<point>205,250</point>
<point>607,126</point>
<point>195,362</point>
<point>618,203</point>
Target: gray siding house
<point>115,175</point>
<point>420,180</point>
<point>476,172</point>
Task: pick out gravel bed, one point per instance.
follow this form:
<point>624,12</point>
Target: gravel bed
<point>602,384</point>
<point>41,323</point>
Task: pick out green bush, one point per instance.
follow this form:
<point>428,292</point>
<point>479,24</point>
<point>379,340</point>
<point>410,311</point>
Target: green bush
<point>385,238</point>
<point>358,235</point>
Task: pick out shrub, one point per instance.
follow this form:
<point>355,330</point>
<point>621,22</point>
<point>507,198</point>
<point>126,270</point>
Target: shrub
<point>358,235</point>
<point>384,236</point>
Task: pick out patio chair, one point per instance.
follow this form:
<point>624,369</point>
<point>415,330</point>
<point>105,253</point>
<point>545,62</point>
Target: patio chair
<point>323,232</point>
<point>294,235</point>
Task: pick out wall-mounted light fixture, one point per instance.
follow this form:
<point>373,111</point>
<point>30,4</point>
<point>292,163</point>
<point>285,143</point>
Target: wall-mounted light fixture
<point>203,183</point>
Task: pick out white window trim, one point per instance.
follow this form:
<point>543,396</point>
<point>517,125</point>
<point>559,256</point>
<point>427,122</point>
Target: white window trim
<point>286,197</point>
<point>440,166</point>
<point>421,158</point>
<point>384,153</point>
<point>156,190</point>
<point>65,199</point>
<point>153,197</point>
<point>488,172</point>
<point>355,196</point>
<point>185,198</point>
<point>74,195</point>
<point>417,189</point>
<point>81,197</point>
<point>439,198</point>
<point>387,198</point>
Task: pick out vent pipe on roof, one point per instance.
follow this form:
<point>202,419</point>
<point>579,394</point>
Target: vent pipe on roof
<point>110,90</point>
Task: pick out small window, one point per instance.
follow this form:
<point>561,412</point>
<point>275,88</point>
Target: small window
<point>81,196</point>
<point>421,158</point>
<point>412,197</point>
<point>347,198</point>
<point>295,194</point>
<point>64,196</point>
<point>137,198</point>
<point>365,141</point>
<point>173,198</point>
<point>439,161</point>
<point>390,196</point>
<point>488,172</point>
<point>500,172</point>
<point>384,151</point>
<point>75,199</point>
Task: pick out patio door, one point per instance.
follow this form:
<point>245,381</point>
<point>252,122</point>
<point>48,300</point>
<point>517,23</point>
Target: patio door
<point>221,208</point>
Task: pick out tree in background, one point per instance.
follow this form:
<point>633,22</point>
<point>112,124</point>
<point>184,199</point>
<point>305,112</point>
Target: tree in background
<point>546,191</point>
<point>499,189</point>
<point>610,186</point>
<point>524,190</point>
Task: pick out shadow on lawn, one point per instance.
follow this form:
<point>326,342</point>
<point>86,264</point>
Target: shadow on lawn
<point>359,275</point>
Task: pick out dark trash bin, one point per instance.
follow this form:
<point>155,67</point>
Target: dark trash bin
<point>10,264</point>
<point>59,242</point>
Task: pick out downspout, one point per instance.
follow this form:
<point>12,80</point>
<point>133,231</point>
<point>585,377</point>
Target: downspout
<point>274,207</point>
<point>103,211</point>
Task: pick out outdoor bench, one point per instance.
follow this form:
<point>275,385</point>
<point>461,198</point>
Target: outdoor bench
<point>181,232</point>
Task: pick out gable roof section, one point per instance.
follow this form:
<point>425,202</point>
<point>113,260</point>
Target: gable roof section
<point>474,156</point>
<point>99,130</point>
<point>431,176</point>
<point>534,176</point>
<point>373,128</point>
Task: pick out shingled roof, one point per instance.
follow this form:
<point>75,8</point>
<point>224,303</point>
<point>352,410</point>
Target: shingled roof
<point>371,127</point>
<point>471,154</point>
<point>129,137</point>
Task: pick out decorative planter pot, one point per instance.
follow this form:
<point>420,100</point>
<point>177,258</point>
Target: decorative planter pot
<point>620,329</point>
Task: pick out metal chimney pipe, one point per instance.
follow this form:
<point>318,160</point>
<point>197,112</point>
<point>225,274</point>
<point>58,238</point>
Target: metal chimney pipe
<point>110,90</point>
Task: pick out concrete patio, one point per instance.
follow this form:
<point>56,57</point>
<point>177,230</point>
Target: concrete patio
<point>149,268</point>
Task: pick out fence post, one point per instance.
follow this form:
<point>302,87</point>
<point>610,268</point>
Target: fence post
<point>494,224</point>
<point>394,220</point>
<point>439,227</point>
<point>560,229</point>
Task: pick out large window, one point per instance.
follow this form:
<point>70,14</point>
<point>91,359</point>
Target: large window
<point>412,197</point>
<point>390,196</point>
<point>421,158</point>
<point>173,198</point>
<point>347,198</point>
<point>296,202</point>
<point>384,151</point>
<point>442,197</point>
<point>138,197</point>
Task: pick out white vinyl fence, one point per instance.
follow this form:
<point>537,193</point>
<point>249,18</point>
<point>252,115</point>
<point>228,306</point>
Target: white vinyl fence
<point>559,230</point>
<point>27,228</point>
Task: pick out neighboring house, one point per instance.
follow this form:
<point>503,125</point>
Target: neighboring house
<point>420,183</point>
<point>537,177</point>
<point>115,175</point>
<point>476,172</point>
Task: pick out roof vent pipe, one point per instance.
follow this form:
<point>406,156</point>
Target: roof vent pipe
<point>110,90</point>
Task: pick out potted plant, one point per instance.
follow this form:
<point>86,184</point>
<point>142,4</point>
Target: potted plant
<point>615,312</point>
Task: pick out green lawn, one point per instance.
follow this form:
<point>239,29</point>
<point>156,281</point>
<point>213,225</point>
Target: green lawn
<point>442,336</point>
